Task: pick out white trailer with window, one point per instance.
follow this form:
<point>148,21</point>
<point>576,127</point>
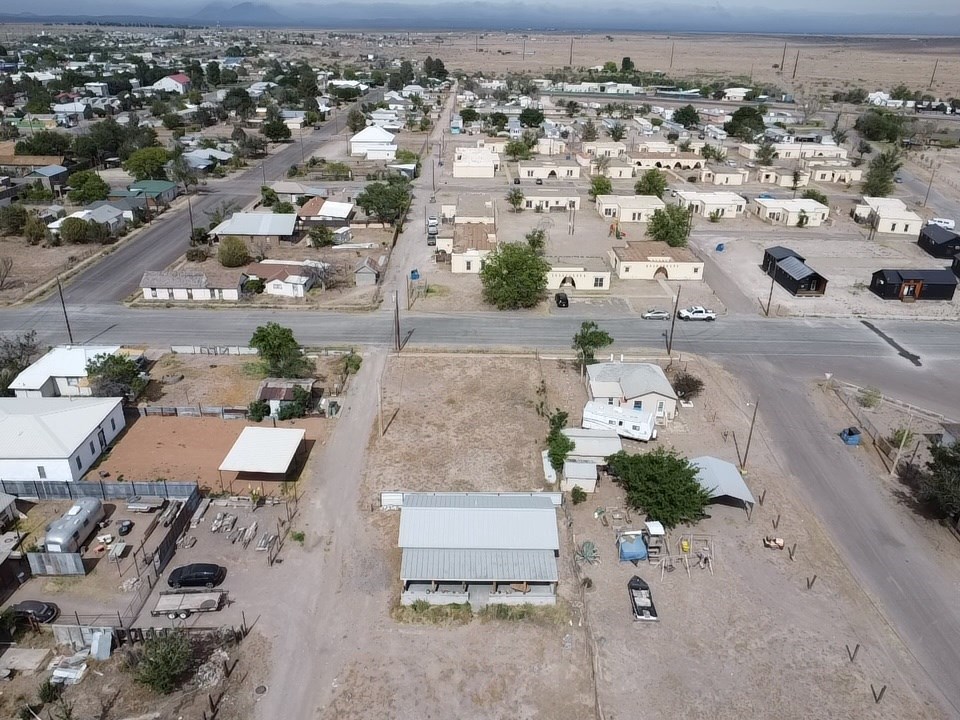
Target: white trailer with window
<point>626,422</point>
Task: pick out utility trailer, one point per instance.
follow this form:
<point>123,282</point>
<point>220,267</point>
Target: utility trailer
<point>183,603</point>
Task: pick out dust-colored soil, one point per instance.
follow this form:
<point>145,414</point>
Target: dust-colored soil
<point>191,449</point>
<point>33,265</point>
<point>749,640</point>
<point>215,380</point>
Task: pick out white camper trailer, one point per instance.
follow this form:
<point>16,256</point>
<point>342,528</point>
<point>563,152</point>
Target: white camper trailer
<point>629,423</point>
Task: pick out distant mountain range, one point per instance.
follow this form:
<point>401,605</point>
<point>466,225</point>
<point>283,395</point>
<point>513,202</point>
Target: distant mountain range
<point>471,14</point>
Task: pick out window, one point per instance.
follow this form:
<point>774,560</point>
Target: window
<point>598,282</point>
<point>609,401</point>
<point>638,404</point>
<point>42,472</point>
<point>696,270</point>
<point>92,450</point>
<point>468,265</point>
<point>906,228</point>
<point>529,173</point>
<point>79,463</point>
<point>893,227</point>
<point>529,204</point>
<point>73,382</point>
<point>153,292</point>
<point>113,424</point>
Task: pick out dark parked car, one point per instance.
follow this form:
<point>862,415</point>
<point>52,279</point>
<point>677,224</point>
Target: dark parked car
<point>516,181</point>
<point>197,575</point>
<point>41,612</point>
<point>562,300</point>
<point>124,527</point>
<point>539,181</point>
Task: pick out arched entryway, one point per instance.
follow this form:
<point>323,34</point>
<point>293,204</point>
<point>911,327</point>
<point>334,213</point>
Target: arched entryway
<point>568,282</point>
<point>661,274</point>
<point>553,174</point>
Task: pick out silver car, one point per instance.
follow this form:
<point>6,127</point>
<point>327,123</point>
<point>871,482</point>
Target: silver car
<point>654,314</point>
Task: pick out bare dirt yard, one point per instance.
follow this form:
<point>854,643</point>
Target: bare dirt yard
<point>191,449</point>
<point>748,639</point>
<point>34,265</point>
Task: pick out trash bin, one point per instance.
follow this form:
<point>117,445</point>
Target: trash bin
<point>414,274</point>
<point>720,247</point>
<point>850,436</point>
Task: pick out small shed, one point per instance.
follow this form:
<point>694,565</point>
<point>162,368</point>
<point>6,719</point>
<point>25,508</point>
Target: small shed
<point>8,510</point>
<point>722,480</point>
<point>790,271</point>
<point>938,241</point>
<point>910,285</point>
<point>277,392</point>
<point>367,272</point>
<point>265,454</point>
<point>579,474</point>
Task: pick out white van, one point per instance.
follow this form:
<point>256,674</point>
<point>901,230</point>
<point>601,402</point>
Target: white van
<point>942,222</point>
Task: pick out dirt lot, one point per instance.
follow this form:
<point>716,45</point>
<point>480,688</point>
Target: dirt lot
<point>183,448</point>
<point>723,636</point>
<point>33,265</point>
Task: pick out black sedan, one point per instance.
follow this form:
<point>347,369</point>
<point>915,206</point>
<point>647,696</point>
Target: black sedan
<point>197,575</point>
<point>35,611</point>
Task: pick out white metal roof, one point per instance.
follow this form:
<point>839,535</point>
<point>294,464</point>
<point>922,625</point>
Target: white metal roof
<point>263,450</point>
<point>628,380</point>
<point>478,565</point>
<point>64,361</point>
<point>339,210</point>
<point>721,479</point>
<point>593,443</point>
<point>257,224</point>
<point>491,523</point>
<point>373,134</point>
<point>49,427</point>
<point>579,470</point>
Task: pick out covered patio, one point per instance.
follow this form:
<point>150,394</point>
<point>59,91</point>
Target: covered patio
<point>264,454</point>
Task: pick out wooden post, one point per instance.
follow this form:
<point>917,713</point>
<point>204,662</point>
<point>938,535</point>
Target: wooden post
<point>810,582</point>
<point>853,655</point>
<point>753,421</point>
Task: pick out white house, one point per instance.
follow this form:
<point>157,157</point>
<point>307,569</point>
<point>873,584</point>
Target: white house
<point>178,83</point>
<point>888,215</point>
<point>374,143</point>
<point>604,148</point>
<point>640,386</point>
<point>736,94</point>
<point>548,169</point>
<point>61,372</point>
<point>469,247</point>
<point>55,438</point>
<point>629,208</point>
<point>550,200</point>
<point>285,277</point>
<point>187,285</point>
<point>832,171</point>
<point>800,212</point>
<point>782,177</point>
<point>724,176</point>
<point>586,274</point>
<point>726,204</point>
<point>551,146</point>
<point>651,260</point>
<point>475,162</point>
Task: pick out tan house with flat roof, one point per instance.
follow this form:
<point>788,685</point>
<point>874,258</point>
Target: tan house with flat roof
<point>652,260</point>
<point>469,247</point>
<point>725,204</point>
<point>588,274</point>
<point>629,208</point>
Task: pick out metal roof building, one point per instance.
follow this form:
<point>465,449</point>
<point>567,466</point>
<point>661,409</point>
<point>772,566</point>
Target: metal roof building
<point>722,479</point>
<point>257,224</point>
<point>459,548</point>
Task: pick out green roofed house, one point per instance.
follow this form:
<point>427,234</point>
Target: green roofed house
<point>159,192</point>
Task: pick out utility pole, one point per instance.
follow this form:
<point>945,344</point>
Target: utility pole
<point>673,47</point>
<point>932,76</point>
<point>795,64</point>
<point>380,407</point>
<point>63,306</point>
<point>303,158</point>
<point>570,63</point>
<point>773,279</point>
<point>756,406</point>
<point>784,58</point>
<point>673,323</point>
<point>933,174</point>
<point>903,441</point>
<point>190,211</point>
<point>396,319</point>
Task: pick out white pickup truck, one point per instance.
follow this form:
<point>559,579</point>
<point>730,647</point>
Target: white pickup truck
<point>697,313</point>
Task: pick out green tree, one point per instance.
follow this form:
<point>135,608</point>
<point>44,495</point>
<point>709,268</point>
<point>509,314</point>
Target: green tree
<point>559,446</point>
<point>660,484</point>
<point>515,198</point>
<point>386,201</point>
<point>745,124</point>
<point>609,67</point>
<point>626,65</point>
<point>280,352</point>
<point>469,114</point>
<point>940,484</point>
<point>148,164</point>
<point>652,182</point>
<point>165,662</point>
<point>878,181</point>
<point>16,354</point>
<point>671,225</point>
<point>275,130</point>
<point>864,148</point>
<point>537,240</point>
<point>13,219</point>
<point>233,252</point>
<point>182,173</point>
<point>172,121</point>
<point>213,73</point>
<point>588,133</point>
<point>75,231</point>
<point>497,120</point>
<point>356,120</point>
<point>514,277</point>
<point>600,185</point>
<point>573,108</point>
<point>686,116</point>
<point>816,195</point>
<point>43,142</point>
<point>34,230</point>
<point>86,187</point>
<point>115,376</point>
<point>284,208</point>
<point>517,150</point>
<point>531,117</point>
<point>766,153</point>
<point>238,101</point>
<point>588,340</point>
<point>880,125</point>
<point>321,237</point>
<point>617,131</point>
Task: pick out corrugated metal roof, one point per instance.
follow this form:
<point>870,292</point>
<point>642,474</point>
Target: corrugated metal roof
<point>588,443</point>
<point>265,450</point>
<point>49,427</point>
<point>475,500</point>
<point>633,379</point>
<point>721,479</point>
<point>795,268</point>
<point>478,565</point>
<point>257,224</point>
<point>64,361</point>
<point>486,528</point>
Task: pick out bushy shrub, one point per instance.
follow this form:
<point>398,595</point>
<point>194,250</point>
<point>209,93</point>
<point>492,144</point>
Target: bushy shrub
<point>196,254</point>
<point>687,386</point>
<point>258,410</point>
<point>578,495</point>
<point>233,252</point>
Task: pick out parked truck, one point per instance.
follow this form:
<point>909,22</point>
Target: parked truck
<point>697,313</point>
<point>183,603</point>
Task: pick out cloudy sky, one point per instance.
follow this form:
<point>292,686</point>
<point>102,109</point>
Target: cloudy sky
<point>929,17</point>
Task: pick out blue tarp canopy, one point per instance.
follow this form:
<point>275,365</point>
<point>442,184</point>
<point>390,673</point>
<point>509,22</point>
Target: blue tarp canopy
<point>632,548</point>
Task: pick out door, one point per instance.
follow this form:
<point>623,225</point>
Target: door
<point>911,290</point>
<point>102,439</point>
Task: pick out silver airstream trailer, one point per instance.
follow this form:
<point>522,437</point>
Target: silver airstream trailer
<point>71,532</point>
